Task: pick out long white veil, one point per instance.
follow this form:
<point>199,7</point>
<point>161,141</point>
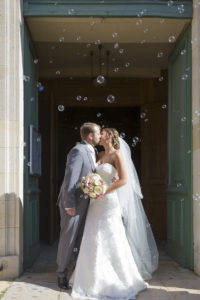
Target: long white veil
<point>138,230</point>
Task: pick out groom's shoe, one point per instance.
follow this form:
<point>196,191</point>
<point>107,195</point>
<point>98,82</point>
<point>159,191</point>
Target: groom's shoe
<point>63,283</point>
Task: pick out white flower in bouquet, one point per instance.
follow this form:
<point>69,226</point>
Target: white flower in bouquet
<point>93,185</point>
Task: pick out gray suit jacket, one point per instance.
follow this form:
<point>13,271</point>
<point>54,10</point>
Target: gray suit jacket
<point>79,163</point>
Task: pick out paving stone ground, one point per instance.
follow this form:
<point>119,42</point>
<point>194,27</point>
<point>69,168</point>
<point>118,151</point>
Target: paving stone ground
<point>169,282</point>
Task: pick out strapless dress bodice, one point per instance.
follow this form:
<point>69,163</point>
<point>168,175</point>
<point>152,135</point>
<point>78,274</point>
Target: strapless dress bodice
<point>107,172</point>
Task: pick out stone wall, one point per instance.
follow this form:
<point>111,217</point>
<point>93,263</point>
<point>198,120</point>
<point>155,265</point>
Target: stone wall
<point>11,138</point>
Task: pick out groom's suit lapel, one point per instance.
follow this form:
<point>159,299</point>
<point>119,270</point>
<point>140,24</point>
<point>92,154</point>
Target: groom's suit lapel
<point>89,157</point>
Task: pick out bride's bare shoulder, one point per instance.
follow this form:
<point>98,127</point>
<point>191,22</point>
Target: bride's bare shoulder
<point>117,158</point>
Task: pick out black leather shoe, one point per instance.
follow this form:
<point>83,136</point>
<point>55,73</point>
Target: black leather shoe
<point>63,283</point>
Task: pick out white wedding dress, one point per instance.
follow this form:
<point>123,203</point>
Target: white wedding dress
<point>105,267</point>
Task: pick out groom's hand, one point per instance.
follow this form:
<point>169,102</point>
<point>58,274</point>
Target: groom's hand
<point>71,211</point>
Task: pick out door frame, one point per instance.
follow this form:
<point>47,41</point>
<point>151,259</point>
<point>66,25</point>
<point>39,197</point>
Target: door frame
<point>107,8</point>
<point>112,8</point>
<point>182,251</point>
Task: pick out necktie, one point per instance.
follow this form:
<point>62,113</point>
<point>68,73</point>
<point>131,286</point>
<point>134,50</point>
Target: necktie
<point>96,153</point>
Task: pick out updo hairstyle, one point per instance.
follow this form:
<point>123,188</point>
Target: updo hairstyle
<point>112,132</point>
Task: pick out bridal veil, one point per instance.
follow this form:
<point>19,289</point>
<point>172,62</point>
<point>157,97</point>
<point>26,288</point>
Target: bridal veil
<point>137,227</point>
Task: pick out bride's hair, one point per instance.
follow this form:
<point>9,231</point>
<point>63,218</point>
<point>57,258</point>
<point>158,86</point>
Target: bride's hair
<point>112,132</point>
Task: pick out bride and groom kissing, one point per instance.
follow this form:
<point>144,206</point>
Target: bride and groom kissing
<point>116,250</point>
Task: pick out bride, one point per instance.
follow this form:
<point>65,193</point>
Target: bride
<point>118,250</point>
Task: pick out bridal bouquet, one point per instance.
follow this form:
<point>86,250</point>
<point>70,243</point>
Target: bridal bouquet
<point>93,185</point>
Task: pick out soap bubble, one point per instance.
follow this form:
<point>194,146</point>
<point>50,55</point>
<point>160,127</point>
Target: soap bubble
<point>160,54</point>
<point>85,98</point>
<point>88,45</point>
<point>57,72</point>
<point>100,79</point>
<point>41,88</point>
<point>116,69</point>
<point>181,8</point>
<point>122,135</point>
<point>78,38</point>
<point>78,98</point>
<point>138,22</point>
<point>172,39</point>
<point>26,78</point>
<point>183,119</point>
<point>136,139</point>
<point>61,39</point>
<point>61,107</point>
<point>133,144</point>
<point>146,120</point>
<point>184,77</point>
<point>51,61</point>
<point>29,164</point>
<point>142,115</point>
<point>179,184</point>
<point>99,115</point>
<point>161,78</point>
<point>116,45</point>
<point>115,34</point>
<point>38,139</point>
<point>183,51</point>
<point>170,2</point>
<point>32,99</point>
<point>111,99</point>
<point>127,64</point>
<point>164,106</point>
<point>97,42</point>
<point>75,128</point>
<point>39,84</point>
<point>35,61</point>
<point>71,11</point>
<point>121,51</point>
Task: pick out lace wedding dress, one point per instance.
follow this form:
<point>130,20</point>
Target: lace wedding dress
<point>105,268</point>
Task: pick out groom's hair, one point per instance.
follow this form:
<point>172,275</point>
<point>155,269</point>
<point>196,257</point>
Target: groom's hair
<point>86,129</point>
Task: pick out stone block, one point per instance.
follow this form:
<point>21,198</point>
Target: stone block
<point>11,267</point>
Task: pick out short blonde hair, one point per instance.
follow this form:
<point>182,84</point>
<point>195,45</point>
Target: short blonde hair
<point>87,128</point>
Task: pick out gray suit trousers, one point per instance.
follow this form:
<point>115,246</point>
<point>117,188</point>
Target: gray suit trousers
<point>70,235</point>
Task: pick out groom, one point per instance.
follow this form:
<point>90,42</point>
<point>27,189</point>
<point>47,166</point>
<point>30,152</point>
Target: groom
<point>72,203</point>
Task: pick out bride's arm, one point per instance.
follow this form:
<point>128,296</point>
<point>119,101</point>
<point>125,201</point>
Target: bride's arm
<point>119,165</point>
